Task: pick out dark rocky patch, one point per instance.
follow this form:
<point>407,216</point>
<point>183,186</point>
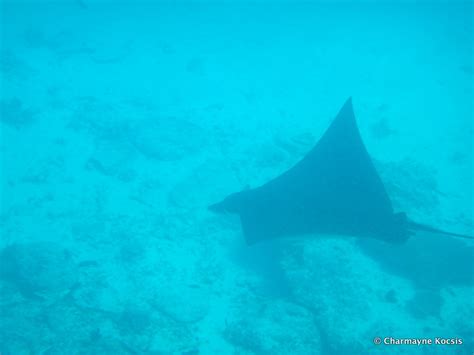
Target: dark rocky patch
<point>40,270</point>
<point>15,114</point>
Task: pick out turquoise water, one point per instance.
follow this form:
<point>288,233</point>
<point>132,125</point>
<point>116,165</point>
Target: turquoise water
<point>121,122</point>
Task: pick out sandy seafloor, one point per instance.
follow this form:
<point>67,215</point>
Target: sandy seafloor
<point>121,123</point>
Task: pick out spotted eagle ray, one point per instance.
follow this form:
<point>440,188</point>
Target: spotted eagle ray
<point>334,190</point>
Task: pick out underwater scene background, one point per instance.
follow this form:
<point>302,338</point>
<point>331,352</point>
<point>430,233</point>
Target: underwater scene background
<point>121,122</point>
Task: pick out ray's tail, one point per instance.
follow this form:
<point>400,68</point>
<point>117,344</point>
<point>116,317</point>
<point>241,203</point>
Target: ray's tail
<point>422,227</point>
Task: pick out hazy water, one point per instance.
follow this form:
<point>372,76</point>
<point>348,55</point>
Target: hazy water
<point>121,123</point>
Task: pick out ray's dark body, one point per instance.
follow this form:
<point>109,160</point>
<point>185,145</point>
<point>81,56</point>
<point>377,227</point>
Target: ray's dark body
<point>334,189</point>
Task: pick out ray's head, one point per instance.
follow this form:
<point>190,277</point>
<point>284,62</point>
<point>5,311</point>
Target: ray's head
<point>231,204</point>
